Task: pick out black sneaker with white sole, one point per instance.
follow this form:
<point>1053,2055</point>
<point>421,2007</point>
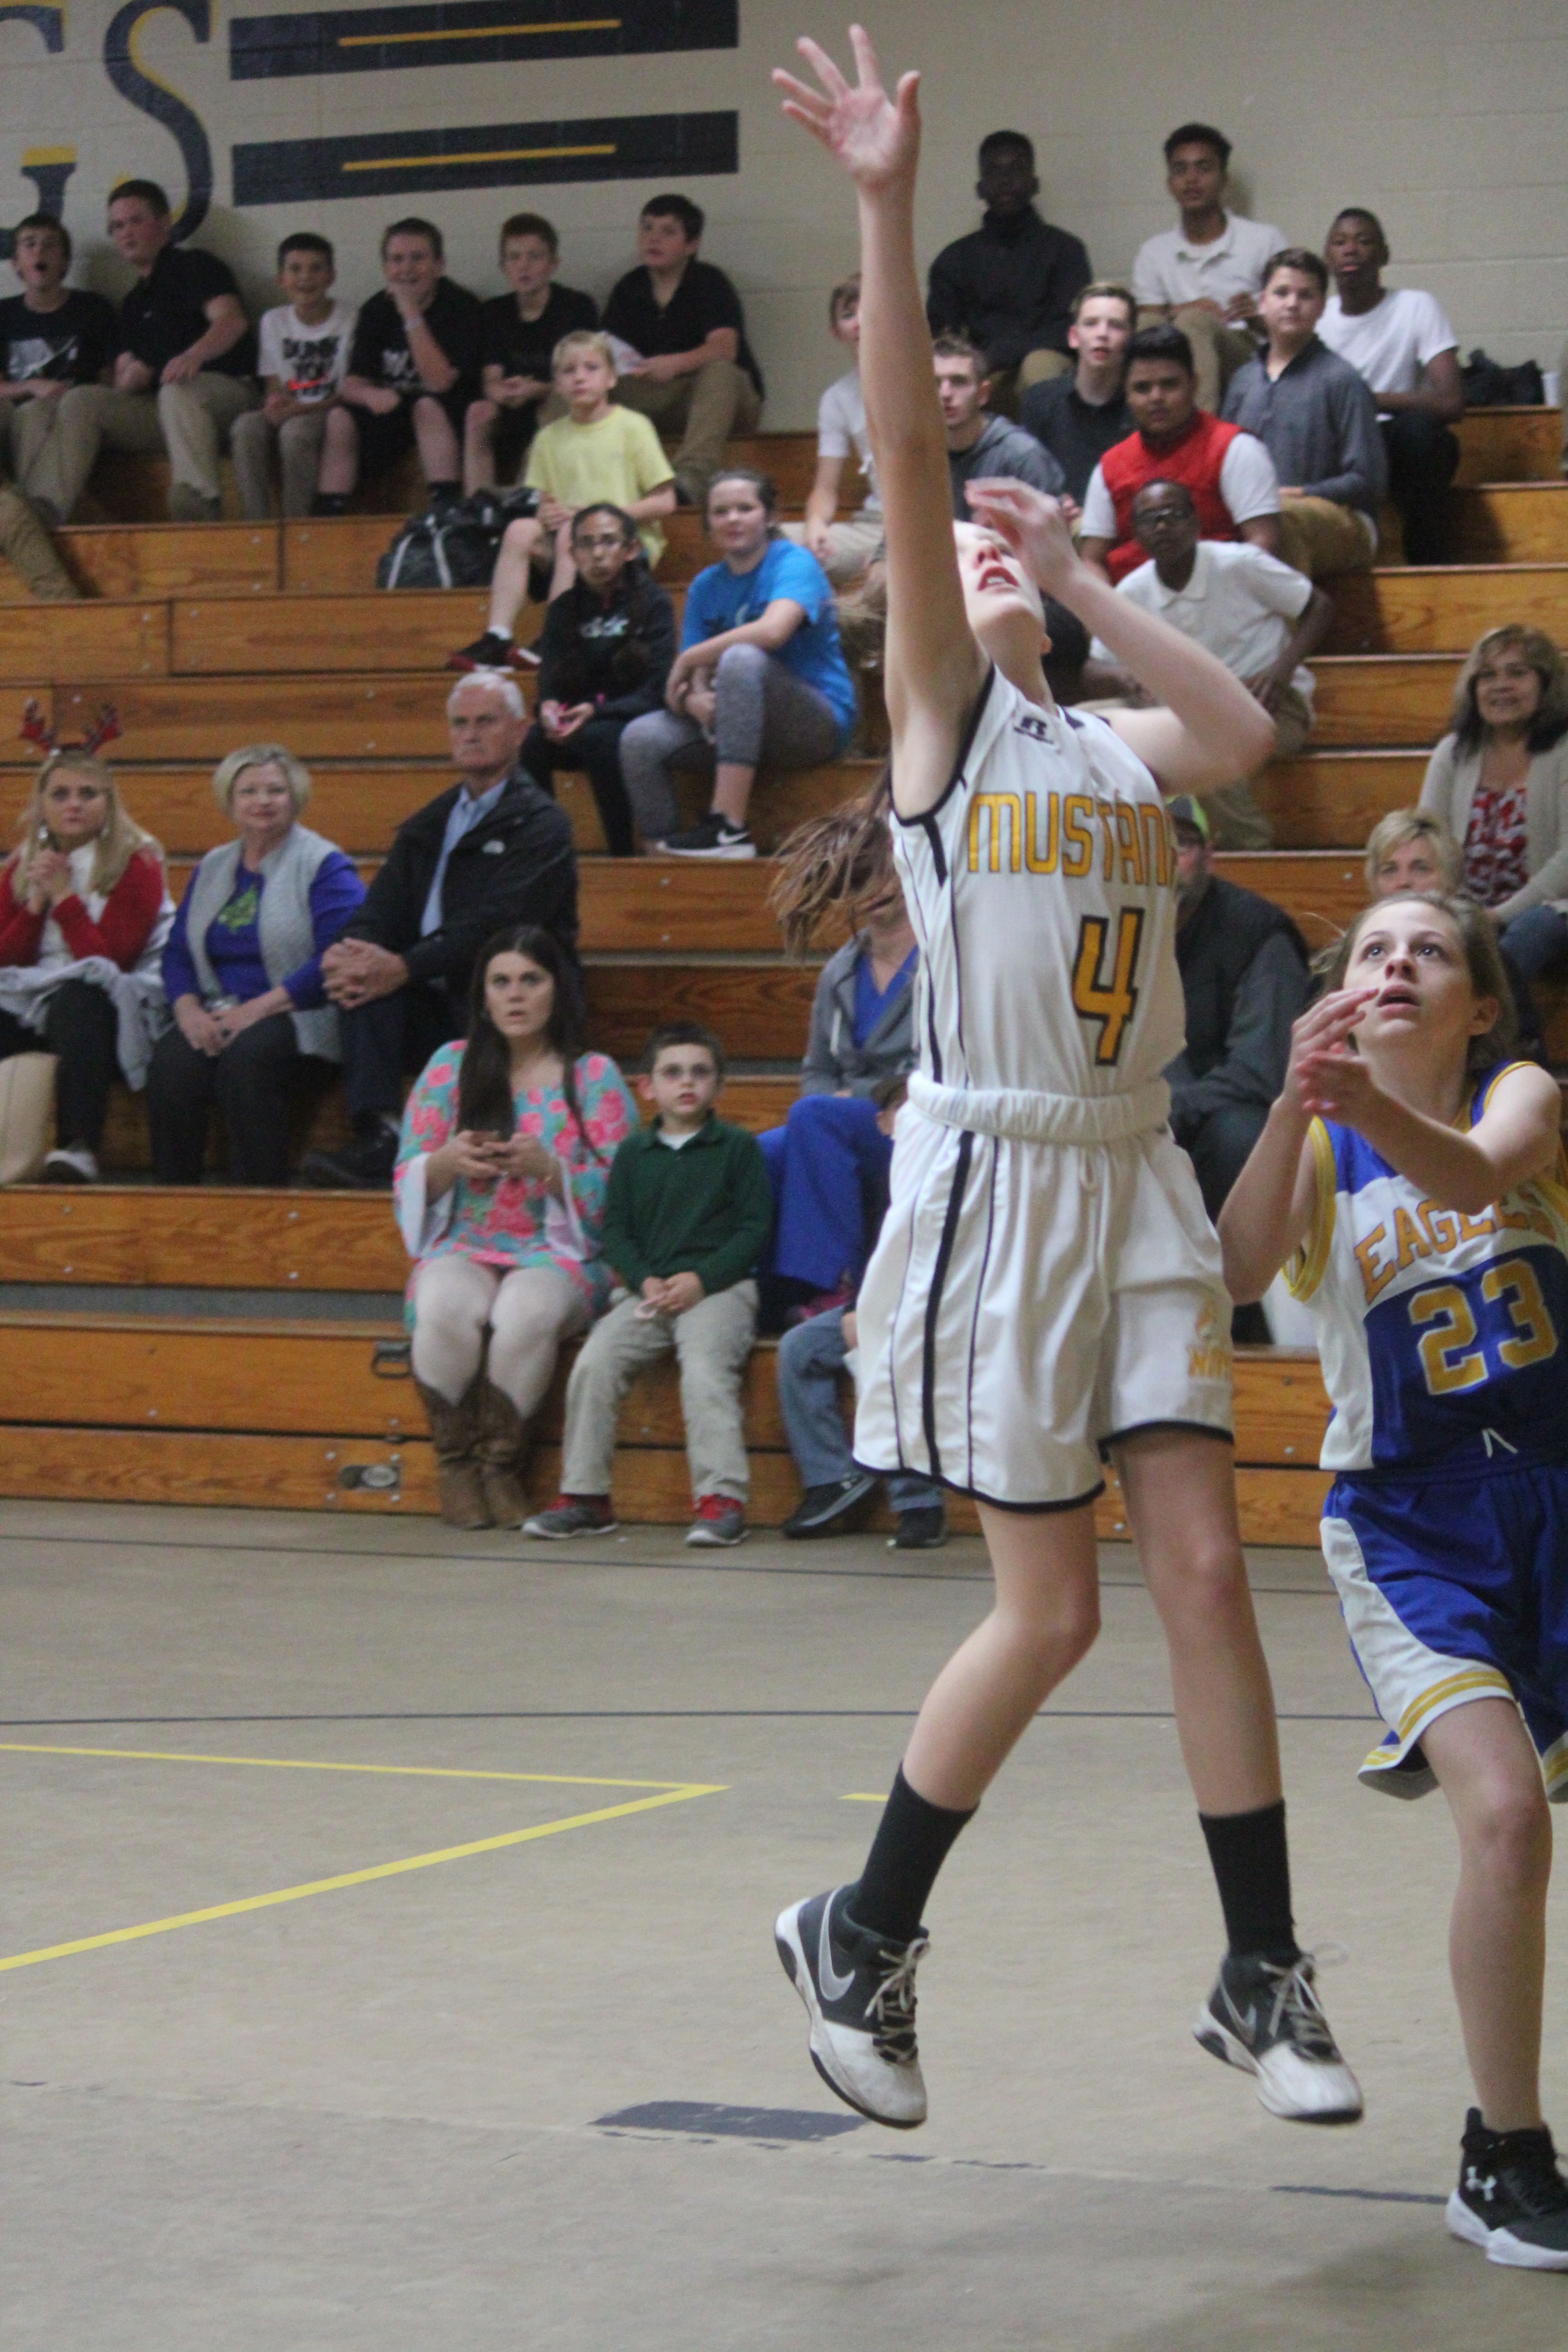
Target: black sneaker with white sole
<point>1511,2200</point>
<point>1266,2018</point>
<point>858,1990</point>
<point>829,1509</point>
<point>713,836</point>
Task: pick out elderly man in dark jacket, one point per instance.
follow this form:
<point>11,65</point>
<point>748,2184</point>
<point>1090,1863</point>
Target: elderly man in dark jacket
<point>491,853</point>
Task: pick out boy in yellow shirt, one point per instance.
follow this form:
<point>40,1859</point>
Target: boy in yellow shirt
<point>598,452</point>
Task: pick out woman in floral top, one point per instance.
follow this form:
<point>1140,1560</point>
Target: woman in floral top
<point>505,1155</point>
<point>1499,782</point>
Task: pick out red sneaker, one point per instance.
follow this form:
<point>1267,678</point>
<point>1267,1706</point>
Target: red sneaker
<point>719,1520</point>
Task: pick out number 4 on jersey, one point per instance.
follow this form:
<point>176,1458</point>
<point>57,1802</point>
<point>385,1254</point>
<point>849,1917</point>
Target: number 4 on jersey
<point>1109,997</point>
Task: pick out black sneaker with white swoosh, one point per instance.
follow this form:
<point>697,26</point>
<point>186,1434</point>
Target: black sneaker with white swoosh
<point>1266,2018</point>
<point>1511,2200</point>
<point>858,1990</point>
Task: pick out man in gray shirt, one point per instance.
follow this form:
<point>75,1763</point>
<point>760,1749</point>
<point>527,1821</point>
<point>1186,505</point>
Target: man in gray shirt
<point>1317,420</point>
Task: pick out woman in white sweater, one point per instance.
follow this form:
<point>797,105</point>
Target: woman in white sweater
<point>1498,780</point>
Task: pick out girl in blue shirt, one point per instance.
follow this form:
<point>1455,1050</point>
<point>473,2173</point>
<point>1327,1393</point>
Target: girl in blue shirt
<point>759,679</point>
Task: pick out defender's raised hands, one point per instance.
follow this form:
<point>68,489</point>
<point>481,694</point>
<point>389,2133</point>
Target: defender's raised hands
<point>875,137</point>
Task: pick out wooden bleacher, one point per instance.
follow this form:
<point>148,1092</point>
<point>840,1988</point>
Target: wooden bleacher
<point>208,635</point>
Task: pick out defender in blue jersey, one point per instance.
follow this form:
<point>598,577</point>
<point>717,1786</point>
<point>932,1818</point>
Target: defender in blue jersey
<point>1412,1183</point>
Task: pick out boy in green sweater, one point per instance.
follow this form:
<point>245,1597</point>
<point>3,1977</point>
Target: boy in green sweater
<point>687,1217</point>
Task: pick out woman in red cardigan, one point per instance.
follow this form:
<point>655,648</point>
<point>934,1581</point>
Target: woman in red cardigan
<point>86,887</point>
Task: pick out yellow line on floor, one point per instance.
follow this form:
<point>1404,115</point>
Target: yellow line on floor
<point>311,1764</point>
<point>673,1795</point>
<point>863,1796</point>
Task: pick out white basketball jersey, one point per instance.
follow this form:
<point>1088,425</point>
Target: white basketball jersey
<point>1041,888</point>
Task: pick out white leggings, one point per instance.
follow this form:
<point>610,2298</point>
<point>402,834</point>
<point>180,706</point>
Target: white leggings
<point>529,1311</point>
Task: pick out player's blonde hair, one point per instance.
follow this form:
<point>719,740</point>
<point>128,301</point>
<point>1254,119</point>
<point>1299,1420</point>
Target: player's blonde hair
<point>830,869</point>
<point>1477,938</point>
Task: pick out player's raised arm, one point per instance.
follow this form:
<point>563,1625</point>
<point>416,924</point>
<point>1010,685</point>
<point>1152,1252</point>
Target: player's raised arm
<point>934,668</point>
<point>1211,730</point>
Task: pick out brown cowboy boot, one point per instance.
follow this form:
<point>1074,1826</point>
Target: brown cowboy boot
<point>455,1429</point>
<point>502,1449</point>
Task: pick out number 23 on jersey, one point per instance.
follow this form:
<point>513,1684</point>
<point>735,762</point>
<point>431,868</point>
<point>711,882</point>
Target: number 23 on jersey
<point>1453,1355</point>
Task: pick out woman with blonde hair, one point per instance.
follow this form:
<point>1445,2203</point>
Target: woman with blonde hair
<point>84,909</point>
<point>242,972</point>
<point>1498,779</point>
<point>1410,849</point>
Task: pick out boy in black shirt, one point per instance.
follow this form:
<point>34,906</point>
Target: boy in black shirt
<point>519,332</point>
<point>184,372</point>
<point>50,338</point>
<point>605,657</point>
<point>696,374</point>
<point>413,370</point>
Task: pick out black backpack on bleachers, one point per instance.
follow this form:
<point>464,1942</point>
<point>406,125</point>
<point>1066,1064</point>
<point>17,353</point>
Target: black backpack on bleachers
<point>1488,384</point>
<point>453,545</point>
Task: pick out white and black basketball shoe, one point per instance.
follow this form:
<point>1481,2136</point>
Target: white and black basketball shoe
<point>1511,2200</point>
<point>1268,2019</point>
<point>859,1993</point>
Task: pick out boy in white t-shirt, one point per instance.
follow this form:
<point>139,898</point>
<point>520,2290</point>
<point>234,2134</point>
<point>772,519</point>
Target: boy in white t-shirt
<point>304,354</point>
<point>1398,340</point>
<point>843,549</point>
<point>1205,275</point>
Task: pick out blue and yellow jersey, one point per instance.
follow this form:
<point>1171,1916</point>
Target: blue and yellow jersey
<point>1444,1338</point>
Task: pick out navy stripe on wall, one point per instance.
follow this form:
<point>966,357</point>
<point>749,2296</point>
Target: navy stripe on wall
<point>473,32</point>
<point>487,155</point>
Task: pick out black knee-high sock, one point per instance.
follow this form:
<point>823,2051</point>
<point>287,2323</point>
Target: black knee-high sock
<point>910,1845</point>
<point>1252,1868</point>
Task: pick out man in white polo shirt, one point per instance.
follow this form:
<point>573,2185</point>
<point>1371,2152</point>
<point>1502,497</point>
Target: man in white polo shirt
<point>1253,614</point>
<point>1399,343</point>
<point>1206,276</point>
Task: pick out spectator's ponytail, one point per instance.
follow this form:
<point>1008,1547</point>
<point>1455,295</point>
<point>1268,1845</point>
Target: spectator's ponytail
<point>833,866</point>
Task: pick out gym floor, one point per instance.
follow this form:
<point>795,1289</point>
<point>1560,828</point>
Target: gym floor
<point>542,2083</point>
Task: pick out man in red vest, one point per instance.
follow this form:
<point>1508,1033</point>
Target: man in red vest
<point>1228,472</point>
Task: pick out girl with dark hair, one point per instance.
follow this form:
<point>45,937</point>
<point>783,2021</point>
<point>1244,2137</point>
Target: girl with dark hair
<point>759,679</point>
<point>499,1188</point>
<point>1498,779</point>
<point>1411,1182</point>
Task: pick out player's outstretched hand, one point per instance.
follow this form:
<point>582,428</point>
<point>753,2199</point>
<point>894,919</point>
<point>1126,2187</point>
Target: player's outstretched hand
<point>1325,1077</point>
<point>1031,524</point>
<point>875,137</point>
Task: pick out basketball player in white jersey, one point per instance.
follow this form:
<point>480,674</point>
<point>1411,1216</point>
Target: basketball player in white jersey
<point>1046,1285</point>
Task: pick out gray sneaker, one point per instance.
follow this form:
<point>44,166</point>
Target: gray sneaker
<point>573,1516</point>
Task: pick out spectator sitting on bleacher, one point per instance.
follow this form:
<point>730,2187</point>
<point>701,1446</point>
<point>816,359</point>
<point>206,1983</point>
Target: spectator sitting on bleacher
<point>1318,422</point>
<point>1244,981</point>
<point>1402,346</point>
<point>84,908</point>
<point>242,972</point>
<point>843,549</point>
<point>605,655</point>
<point>1498,779</point>
<point>504,1156</point>
<point>1253,614</point>
<point>810,1358</point>
<point>491,854</point>
<point>978,444</point>
<point>1410,849</point>
<point>694,373</point>
<point>686,1219</point>
<point>186,369</point>
<point>597,451</point>
<point>304,345</point>
<point>759,679</point>
<point>1229,473</point>
<point>519,332</point>
<point>413,367</point>
<point>1009,285</point>
<point>828,1163</point>
<point>1078,417</point>
<point>51,336</point>
<point>1206,276</point>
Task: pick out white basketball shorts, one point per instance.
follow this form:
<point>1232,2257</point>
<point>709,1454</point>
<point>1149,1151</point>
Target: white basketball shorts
<point>1030,1303</point>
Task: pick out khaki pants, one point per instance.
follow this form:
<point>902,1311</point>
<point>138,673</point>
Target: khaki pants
<point>854,543</point>
<point>712,1341</point>
<point>1218,349</point>
<point>1320,537</point>
<point>30,553</point>
<point>705,409</point>
<point>188,420</point>
<point>1008,385</point>
<point>1235,821</point>
<point>298,441</point>
<point>25,428</point>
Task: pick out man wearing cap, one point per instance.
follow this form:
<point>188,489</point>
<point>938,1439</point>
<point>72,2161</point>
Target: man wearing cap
<point>1243,978</point>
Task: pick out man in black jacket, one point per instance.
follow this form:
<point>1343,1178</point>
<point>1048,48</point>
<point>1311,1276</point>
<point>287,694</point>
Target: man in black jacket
<point>1009,286</point>
<point>605,655</point>
<point>492,852</point>
<point>1243,979</point>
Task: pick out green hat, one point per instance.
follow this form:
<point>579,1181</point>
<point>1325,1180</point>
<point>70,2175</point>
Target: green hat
<point>1185,810</point>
